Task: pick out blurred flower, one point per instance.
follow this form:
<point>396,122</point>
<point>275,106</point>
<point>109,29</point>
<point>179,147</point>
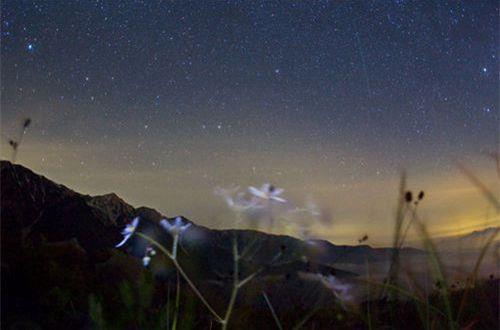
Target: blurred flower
<point>268,192</point>
<point>236,201</point>
<point>340,290</point>
<point>150,252</point>
<point>128,231</point>
<point>177,228</point>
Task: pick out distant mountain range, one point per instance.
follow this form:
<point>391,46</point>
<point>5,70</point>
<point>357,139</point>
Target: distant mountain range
<point>469,242</point>
<point>34,206</point>
<point>56,241</point>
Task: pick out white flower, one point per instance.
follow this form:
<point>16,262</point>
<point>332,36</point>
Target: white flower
<point>177,228</point>
<point>268,192</point>
<point>128,231</point>
<point>341,290</point>
<point>236,201</point>
<point>150,252</point>
<point>145,260</point>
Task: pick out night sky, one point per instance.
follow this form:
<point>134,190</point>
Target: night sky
<point>161,102</point>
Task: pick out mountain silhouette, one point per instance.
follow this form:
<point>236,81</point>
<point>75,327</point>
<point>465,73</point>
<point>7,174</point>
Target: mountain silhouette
<point>58,246</point>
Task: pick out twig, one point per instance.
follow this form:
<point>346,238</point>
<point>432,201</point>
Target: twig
<point>275,317</point>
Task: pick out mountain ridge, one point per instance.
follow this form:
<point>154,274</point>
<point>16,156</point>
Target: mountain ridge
<point>114,210</point>
<point>58,246</point>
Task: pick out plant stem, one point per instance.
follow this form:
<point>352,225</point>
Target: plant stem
<point>183,274</point>
<point>236,285</point>
<point>436,264</point>
<point>174,246</point>
<point>196,291</point>
<point>275,317</point>
<point>177,302</point>
<point>168,306</point>
<point>155,243</point>
<point>469,285</point>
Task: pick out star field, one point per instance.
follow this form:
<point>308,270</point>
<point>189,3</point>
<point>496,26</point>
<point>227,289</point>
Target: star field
<point>162,101</point>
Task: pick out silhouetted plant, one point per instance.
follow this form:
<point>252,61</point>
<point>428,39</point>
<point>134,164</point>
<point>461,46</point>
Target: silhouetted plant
<point>15,144</point>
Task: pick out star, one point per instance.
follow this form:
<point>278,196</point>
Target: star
<point>330,89</point>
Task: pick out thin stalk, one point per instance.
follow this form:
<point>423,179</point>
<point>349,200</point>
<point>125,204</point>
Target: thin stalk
<point>439,274</point>
<point>174,246</point>
<point>248,278</point>
<point>257,272</point>
<point>177,303</point>
<point>183,274</point>
<point>368,311</point>
<point>275,317</point>
<point>155,243</point>
<point>168,306</point>
<point>305,319</point>
<point>399,219</point>
<point>404,292</point>
<point>196,291</point>
<point>475,272</point>
<point>248,247</point>
<point>236,285</point>
<point>408,225</point>
<point>490,196</point>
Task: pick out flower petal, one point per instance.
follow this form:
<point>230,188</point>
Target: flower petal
<point>256,192</point>
<point>125,239</point>
<point>278,191</point>
<point>166,225</point>
<point>178,222</point>
<point>278,199</point>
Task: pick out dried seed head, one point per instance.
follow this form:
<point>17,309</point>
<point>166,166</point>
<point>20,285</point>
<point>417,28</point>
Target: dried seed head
<point>13,144</point>
<point>408,196</point>
<point>363,239</point>
<point>26,123</point>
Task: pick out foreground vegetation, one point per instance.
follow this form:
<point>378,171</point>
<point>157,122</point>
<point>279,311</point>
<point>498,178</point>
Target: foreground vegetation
<point>162,282</point>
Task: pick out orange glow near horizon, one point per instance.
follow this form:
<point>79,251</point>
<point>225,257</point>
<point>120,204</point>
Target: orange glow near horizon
<point>452,205</point>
